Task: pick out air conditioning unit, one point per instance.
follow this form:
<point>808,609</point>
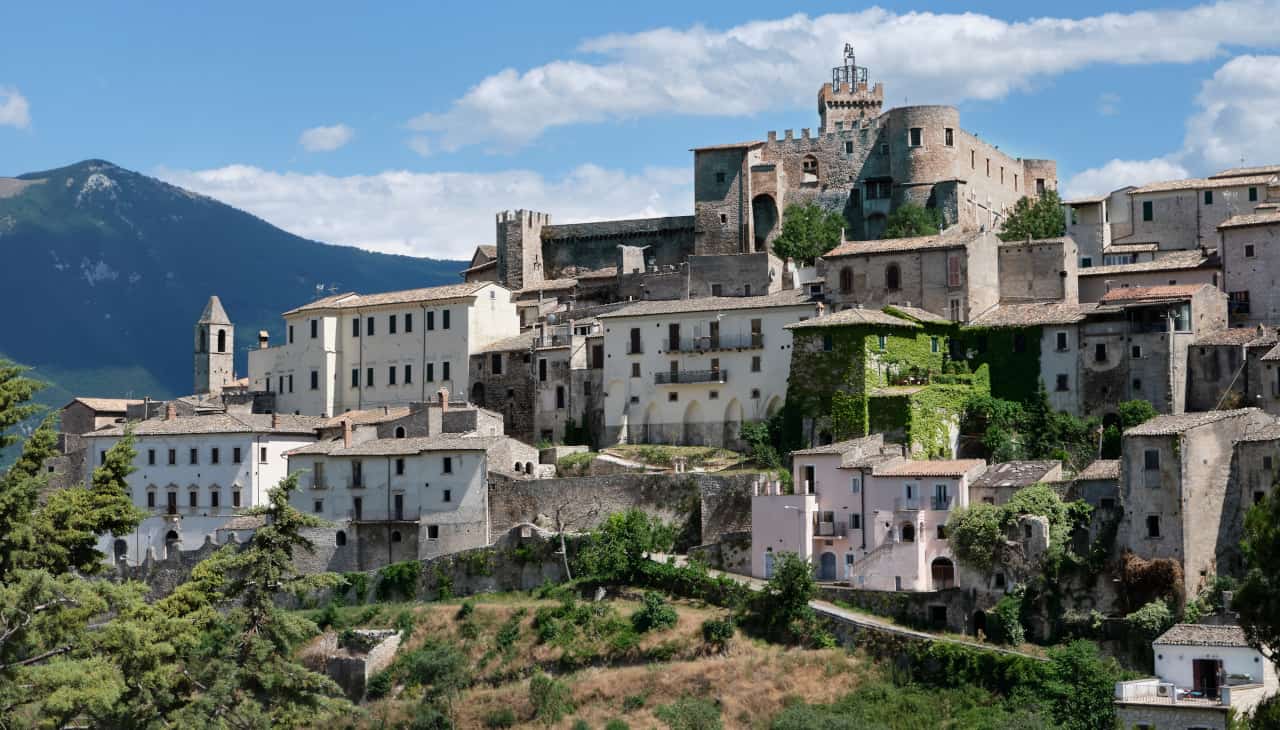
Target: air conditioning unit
<point>1164,690</point>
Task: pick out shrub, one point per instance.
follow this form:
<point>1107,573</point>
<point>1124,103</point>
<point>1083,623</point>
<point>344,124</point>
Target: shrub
<point>509,632</point>
<point>718,632</point>
<point>405,621</point>
<point>631,703</point>
<point>575,464</point>
<point>616,724</point>
<point>550,697</point>
<point>690,713</point>
<point>430,717</point>
<point>1004,622</point>
<point>504,717</point>
<point>437,665</point>
<point>467,608</point>
<point>655,614</point>
<point>398,580</point>
<point>328,615</point>
<point>581,724</point>
<point>379,685</point>
<point>1149,621</point>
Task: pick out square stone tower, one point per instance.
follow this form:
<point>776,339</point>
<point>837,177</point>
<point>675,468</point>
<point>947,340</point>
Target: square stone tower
<point>848,98</point>
<point>214,349</point>
<point>519,243</point>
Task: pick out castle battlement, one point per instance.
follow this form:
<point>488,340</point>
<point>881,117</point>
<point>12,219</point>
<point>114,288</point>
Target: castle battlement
<point>528,217</point>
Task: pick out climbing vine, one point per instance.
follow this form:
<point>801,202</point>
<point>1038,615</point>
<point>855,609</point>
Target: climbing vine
<point>1012,355</point>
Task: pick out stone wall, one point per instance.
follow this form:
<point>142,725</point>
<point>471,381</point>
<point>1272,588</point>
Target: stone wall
<point>924,609</point>
<point>580,247</point>
<point>1168,716</point>
<point>732,553</point>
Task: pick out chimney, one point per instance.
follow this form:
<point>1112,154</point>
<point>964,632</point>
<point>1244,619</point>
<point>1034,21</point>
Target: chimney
<point>170,411</point>
<point>263,339</point>
<point>442,398</point>
<point>386,409</point>
<point>346,433</point>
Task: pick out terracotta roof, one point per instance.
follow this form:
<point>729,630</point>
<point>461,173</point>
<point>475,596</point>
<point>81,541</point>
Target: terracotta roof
<point>398,447</point>
<point>1251,219</point>
<point>1130,247</point>
<point>784,298</point>
<point>367,416</point>
<point>244,522</point>
<point>1016,473</point>
<point>932,468</point>
<point>351,300</point>
<point>1031,314</point>
<point>918,314</point>
<point>898,245</point>
<point>1202,635</point>
<point>481,267</point>
<point>218,423</point>
<point>1202,183</point>
<point>1238,336</point>
<point>1246,171</point>
<point>1168,425</point>
<point>1100,469</point>
<point>1147,293</point>
<point>1170,261</point>
<point>854,316</point>
<point>106,405</point>
<point>547,285</point>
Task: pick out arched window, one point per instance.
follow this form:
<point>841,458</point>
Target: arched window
<point>908,532</point>
<point>341,538</point>
<point>120,547</point>
<point>528,467</point>
<point>222,340</point>
<point>400,432</point>
<point>846,280</point>
<point>810,169</point>
<point>892,277</point>
<point>519,467</point>
<point>395,536</point>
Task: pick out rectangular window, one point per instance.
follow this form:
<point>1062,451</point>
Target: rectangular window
<point>673,397</point>
<point>357,473</point>
<point>368,377</point>
<point>235,455</point>
<point>933,344</point>
<point>495,363</point>
<point>444,370</point>
<point>542,369</point>
<point>151,500</point>
<point>391,375</point>
<point>433,532</point>
<point>317,506</point>
<point>855,485</point>
<point>916,137</point>
<point>213,455</point>
<point>262,454</point>
<point>988,167</point>
<point>1086,262</point>
<point>755,363</point>
<point>290,383</point>
<point>635,369</point>
<point>408,374</point>
<point>1253,195</point>
<point>369,327</point>
<point>315,380</point>
<point>448,465</point>
<point>315,328</point>
<point>215,498</point>
<point>408,321</point>
<point>1136,352</point>
<point>953,270</point>
<point>848,147</point>
<point>431,320</point>
<point>446,495</point>
<point>280,387</point>
<point>559,396</point>
<point>973,160</point>
<point>1153,525</point>
<point>883,342</point>
<point>355,327</point>
<point>717,290</point>
<point>235,498</point>
<point>391,324</point>
<point>290,334</point>
<point>828,343</point>
<point>1061,341</point>
<point>634,345</point>
<point>855,522</point>
<point>151,457</point>
<point>949,137</point>
<point>355,377</point>
<point>194,456</point>
<point>431,372</point>
<point>102,457</point>
<point>357,506</point>
<point>399,506</point>
<point>1148,213</point>
<point>1248,250</point>
<point>444,319</point>
<point>1100,352</point>
<point>193,499</point>
<point>1208,197</point>
<point>400,467</point>
<point>1151,459</point>
<point>1266,463</point>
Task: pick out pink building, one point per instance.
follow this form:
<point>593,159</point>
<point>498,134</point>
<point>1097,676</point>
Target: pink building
<point>864,514</point>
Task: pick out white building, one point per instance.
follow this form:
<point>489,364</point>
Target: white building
<point>194,474</point>
<point>693,371</point>
<point>1202,673</point>
<point>352,351</point>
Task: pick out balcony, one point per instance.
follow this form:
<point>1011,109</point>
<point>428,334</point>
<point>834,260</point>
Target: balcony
<point>901,504</point>
<point>829,529</point>
<point>676,377</point>
<point>553,341</point>
<point>942,503</point>
<point>1154,691</point>
<point>753,341</point>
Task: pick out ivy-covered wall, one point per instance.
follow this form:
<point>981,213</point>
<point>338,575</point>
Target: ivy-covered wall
<point>1011,355</point>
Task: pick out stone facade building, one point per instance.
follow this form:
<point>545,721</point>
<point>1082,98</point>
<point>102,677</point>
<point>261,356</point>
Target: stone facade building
<point>1225,369</point>
<point>1250,251</point>
<point>353,351</point>
<point>215,346</point>
<point>1193,266</point>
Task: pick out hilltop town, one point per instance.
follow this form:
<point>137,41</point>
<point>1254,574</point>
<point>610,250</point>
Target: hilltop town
<point>1108,396</point>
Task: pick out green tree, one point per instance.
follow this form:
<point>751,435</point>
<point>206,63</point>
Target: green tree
<point>1035,219</point>
<point>1258,598</point>
<point>16,391</point>
<point>19,494</point>
<point>913,220</point>
<point>1080,686</point>
<point>617,550</point>
<point>808,231</point>
<point>781,610</point>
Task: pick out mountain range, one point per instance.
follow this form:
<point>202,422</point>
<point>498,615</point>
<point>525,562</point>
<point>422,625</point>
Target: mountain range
<point>105,271</point>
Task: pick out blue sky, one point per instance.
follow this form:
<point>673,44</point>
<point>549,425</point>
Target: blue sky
<point>427,119</point>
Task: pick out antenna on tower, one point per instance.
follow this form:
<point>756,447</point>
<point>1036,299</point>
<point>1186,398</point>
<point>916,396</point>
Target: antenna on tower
<point>850,73</point>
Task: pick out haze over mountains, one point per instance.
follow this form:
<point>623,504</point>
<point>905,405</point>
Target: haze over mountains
<point>106,271</point>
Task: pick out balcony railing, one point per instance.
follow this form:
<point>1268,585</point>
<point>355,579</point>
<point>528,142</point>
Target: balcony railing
<point>902,503</point>
<point>830,529</point>
<point>553,341</point>
<point>753,341</point>
<point>941,503</point>
<point>383,515</point>
<point>1153,691</point>
<point>691,376</point>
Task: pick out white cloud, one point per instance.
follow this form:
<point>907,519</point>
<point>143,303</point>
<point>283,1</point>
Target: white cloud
<point>1119,173</point>
<point>15,110</point>
<point>442,215</point>
<point>942,58</point>
<point>326,139</point>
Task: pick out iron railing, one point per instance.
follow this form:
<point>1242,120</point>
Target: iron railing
<point>691,376</point>
<point>753,341</point>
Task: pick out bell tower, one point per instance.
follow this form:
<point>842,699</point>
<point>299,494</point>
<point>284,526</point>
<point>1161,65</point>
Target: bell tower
<point>214,349</point>
<point>848,99</point>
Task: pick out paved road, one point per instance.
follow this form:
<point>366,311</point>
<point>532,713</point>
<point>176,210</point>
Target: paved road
<point>861,620</point>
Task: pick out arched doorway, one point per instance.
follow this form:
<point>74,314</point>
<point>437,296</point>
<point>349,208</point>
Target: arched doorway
<point>732,424</point>
<point>943,572</point>
<point>775,405</point>
<point>120,548</point>
<point>171,542</point>
<point>979,624</point>
<point>400,432</point>
<point>477,394</point>
<point>693,419</point>
<point>908,532</point>
<point>764,219</point>
<point>827,566</point>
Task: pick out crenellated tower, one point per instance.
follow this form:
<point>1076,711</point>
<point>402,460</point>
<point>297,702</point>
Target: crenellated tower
<point>848,98</point>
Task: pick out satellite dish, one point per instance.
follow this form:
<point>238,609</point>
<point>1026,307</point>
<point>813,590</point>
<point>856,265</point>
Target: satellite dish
<point>551,318</point>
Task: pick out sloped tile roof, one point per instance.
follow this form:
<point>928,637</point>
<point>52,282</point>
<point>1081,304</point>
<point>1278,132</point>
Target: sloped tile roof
<point>367,416</point>
<point>352,300</point>
<point>218,423</point>
<point>1202,635</point>
<point>1239,336</point>
<point>1202,183</point>
<point>1168,425</point>
<point>1246,171</point>
<point>897,245</point>
<point>1169,261</point>
<point>1100,469</point>
<point>918,314</point>
<point>854,316</point>
<point>1268,218</point>
<point>1016,473</point>
<point>784,298</point>
<point>841,447</point>
<point>1148,293</point>
<point>106,405</point>
<point>510,344</point>
<point>931,468</point>
<point>1032,314</point>
<point>400,447</point>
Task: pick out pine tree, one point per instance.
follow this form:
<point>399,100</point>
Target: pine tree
<point>16,391</point>
<point>20,489</point>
